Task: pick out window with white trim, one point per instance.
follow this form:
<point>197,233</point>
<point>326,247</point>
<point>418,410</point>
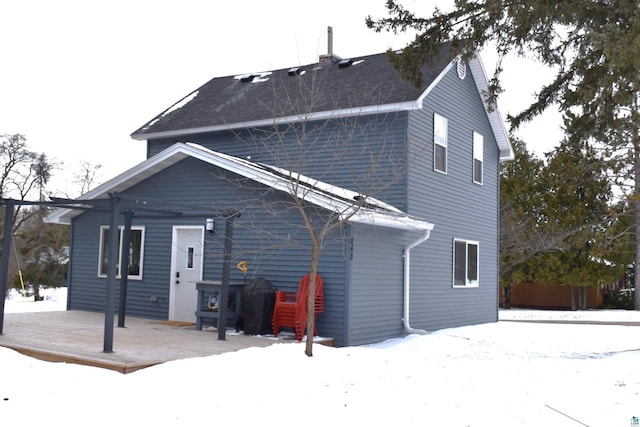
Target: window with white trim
<point>466,257</point>
<point>478,153</point>
<point>136,252</point>
<point>439,143</point>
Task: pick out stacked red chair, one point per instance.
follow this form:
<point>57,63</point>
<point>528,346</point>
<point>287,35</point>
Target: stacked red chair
<point>291,307</point>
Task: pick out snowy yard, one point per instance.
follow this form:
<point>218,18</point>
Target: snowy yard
<point>501,374</point>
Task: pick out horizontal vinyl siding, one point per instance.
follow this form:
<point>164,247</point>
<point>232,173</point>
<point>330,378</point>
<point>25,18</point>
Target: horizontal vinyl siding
<point>376,292</point>
<point>274,244</point>
<point>84,267</point>
<point>88,291</point>
<point>365,154</point>
<point>458,207</point>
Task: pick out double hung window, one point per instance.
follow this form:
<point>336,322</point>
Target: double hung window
<point>136,252</point>
<point>478,149</point>
<point>439,143</point>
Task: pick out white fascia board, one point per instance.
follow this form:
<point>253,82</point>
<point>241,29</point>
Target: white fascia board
<point>125,180</point>
<point>393,218</point>
<point>402,222</point>
<point>322,115</point>
<point>495,118</point>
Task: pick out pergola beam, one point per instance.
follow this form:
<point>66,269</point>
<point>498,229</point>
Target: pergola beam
<point>117,204</point>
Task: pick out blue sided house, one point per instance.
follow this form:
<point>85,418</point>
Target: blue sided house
<point>411,174</point>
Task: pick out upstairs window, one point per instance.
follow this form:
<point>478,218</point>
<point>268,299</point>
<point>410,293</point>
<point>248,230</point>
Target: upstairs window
<point>136,249</point>
<point>478,149</point>
<point>465,264</point>
<point>439,143</point>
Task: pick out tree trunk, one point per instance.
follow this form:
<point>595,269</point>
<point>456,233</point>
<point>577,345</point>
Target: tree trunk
<point>636,199</point>
<point>582,297</point>
<point>506,302</point>
<point>311,302</point>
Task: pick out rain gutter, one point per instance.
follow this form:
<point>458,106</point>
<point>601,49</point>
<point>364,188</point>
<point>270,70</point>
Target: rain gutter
<point>407,283</point>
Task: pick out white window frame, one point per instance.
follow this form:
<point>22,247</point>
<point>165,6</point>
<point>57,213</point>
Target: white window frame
<point>102,255</point>
<point>471,278</point>
<point>478,158</point>
<point>440,140</point>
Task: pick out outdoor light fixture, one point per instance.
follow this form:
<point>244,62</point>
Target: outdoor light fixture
<point>210,225</point>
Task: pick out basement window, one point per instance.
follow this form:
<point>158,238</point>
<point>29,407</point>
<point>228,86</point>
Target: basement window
<point>136,252</point>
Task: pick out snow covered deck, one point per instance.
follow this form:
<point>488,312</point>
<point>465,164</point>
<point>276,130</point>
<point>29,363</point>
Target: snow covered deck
<point>77,337</point>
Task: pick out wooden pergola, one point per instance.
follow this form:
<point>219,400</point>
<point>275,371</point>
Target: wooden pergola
<point>128,206</point>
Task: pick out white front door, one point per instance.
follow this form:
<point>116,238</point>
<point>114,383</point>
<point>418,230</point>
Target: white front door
<point>186,270</point>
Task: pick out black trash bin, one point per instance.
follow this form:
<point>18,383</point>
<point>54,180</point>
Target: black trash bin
<point>258,300</point>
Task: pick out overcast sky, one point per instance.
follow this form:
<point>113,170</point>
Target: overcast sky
<point>78,77</point>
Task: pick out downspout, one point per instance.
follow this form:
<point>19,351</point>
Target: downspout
<point>407,282</point>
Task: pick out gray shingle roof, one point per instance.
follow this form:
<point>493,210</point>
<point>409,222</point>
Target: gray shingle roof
<point>231,102</point>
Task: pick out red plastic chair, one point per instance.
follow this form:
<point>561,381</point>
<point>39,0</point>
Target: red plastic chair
<point>290,309</point>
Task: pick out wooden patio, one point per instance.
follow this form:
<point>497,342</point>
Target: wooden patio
<point>77,337</point>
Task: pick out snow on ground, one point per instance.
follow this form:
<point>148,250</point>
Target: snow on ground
<point>558,315</point>
<point>55,299</point>
<point>500,374</point>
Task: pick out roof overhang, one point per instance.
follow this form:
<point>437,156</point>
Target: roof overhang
<point>479,76</point>
<point>493,113</point>
<point>349,205</point>
<point>321,115</point>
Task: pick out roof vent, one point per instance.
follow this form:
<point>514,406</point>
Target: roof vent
<point>462,68</point>
<point>295,71</point>
<point>345,63</point>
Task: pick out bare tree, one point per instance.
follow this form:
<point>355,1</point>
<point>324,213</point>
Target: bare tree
<point>85,177</point>
<point>355,153</point>
<point>22,173</point>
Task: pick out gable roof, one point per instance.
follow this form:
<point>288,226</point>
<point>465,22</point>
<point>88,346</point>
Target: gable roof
<point>348,87</point>
<point>340,200</point>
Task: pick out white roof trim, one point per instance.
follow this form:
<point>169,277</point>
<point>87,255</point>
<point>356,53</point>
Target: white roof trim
<point>495,118</point>
<point>321,115</point>
<point>317,192</point>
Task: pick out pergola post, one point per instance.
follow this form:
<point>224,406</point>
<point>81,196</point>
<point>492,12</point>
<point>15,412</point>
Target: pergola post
<point>112,259</point>
<point>226,274</point>
<point>6,254</point>
<point>124,268</point>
